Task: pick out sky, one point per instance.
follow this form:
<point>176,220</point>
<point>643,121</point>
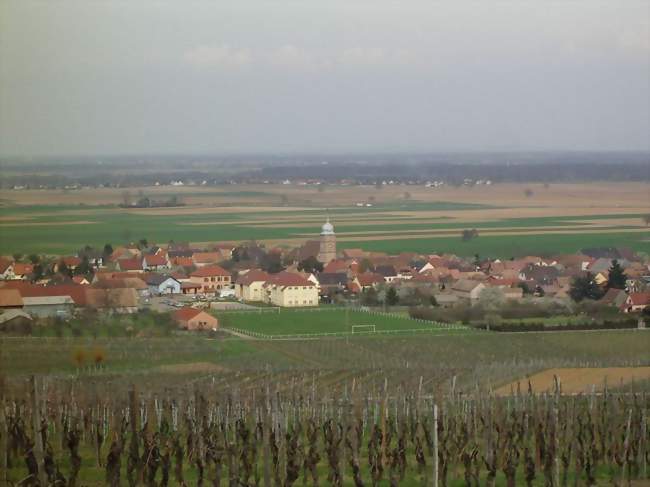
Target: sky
<point>280,76</point>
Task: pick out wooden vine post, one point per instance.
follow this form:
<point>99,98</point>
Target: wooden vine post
<point>36,423</point>
<point>435,445</point>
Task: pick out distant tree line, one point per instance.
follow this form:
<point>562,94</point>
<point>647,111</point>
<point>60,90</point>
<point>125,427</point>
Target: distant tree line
<point>454,169</point>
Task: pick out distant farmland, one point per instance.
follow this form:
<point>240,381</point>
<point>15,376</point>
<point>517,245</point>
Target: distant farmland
<point>562,218</point>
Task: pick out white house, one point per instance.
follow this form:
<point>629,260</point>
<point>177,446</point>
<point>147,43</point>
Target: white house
<point>162,284</point>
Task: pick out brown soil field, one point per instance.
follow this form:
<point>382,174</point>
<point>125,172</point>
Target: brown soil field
<point>48,224</point>
<point>193,367</point>
<point>578,380</point>
<point>599,195</point>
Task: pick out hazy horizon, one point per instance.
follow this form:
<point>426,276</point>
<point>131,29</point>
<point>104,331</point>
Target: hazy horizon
<point>81,79</point>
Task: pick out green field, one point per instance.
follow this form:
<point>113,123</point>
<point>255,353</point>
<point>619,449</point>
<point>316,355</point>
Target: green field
<point>65,229</point>
<point>326,321</point>
<point>507,246</point>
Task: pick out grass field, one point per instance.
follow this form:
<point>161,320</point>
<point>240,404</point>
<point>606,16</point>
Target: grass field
<point>562,218</point>
<point>316,322</point>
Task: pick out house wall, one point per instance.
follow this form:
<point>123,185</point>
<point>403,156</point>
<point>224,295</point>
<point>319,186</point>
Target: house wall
<point>252,292</point>
<point>211,285</point>
<point>293,296</point>
<point>169,287</point>
<point>49,310</point>
<point>202,321</point>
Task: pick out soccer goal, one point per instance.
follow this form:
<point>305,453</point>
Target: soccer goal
<point>363,329</point>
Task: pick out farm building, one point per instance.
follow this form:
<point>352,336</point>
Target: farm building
<point>195,319</point>
<point>636,302</point>
<point>10,299</point>
<point>162,284</point>
<point>211,279</point>
<point>155,262</point>
<point>467,289</point>
<point>48,306</point>
<point>119,300</point>
<point>6,269</point>
<point>290,290</point>
<point>250,286</point>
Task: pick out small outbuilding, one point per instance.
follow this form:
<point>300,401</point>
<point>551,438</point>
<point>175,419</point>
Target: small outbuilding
<point>195,319</point>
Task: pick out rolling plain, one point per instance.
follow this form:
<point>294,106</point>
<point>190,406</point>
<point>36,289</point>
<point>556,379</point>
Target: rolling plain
<point>512,219</point>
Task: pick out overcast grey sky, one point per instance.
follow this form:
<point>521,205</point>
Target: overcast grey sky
<point>112,77</point>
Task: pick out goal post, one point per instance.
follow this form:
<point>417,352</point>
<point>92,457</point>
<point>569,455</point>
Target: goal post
<point>363,329</point>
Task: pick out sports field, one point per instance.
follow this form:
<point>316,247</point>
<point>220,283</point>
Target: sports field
<point>555,219</point>
<point>317,322</point>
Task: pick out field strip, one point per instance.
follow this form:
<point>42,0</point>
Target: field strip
<point>292,241</point>
<point>489,233</point>
<point>484,231</point>
<point>578,380</point>
<point>48,224</point>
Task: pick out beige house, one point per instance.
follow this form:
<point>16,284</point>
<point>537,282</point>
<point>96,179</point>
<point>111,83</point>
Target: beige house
<point>211,279</point>
<point>290,290</point>
<point>250,286</point>
<point>468,289</point>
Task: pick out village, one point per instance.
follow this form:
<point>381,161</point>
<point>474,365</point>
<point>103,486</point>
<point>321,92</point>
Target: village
<point>193,283</point>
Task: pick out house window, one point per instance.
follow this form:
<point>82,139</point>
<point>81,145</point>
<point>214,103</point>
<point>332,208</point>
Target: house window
<point>212,279</point>
<point>205,279</point>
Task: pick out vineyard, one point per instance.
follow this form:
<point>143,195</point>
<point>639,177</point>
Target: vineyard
<point>398,410</point>
<point>297,437</point>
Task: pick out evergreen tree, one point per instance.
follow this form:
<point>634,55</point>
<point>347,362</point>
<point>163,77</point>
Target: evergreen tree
<point>584,287</point>
<point>84,268</point>
<point>617,277</point>
<point>391,297</point>
<point>310,264</point>
<point>108,250</point>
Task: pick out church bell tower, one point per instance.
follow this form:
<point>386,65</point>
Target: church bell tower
<point>327,251</point>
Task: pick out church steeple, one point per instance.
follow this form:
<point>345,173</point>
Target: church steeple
<point>327,243</point>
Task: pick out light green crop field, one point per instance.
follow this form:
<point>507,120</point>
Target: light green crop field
<point>327,321</point>
<point>564,218</point>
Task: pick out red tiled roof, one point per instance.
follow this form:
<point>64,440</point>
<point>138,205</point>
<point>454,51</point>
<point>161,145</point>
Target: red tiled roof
<point>10,298</point>
<point>4,264</point>
<point>156,259</point>
<point>337,265</point>
<point>190,285</point>
<point>639,299</point>
<point>206,257</point>
<point>284,279</point>
<point>185,314</point>
<point>71,261</point>
<point>130,264</point>
<point>110,298</point>
<point>182,261</point>
<point>369,278</point>
<point>22,269</point>
<point>29,290</point>
<point>254,275</point>
<point>116,275</point>
<point>210,271</point>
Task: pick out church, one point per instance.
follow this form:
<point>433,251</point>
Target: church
<point>324,249</point>
<point>327,248</point>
